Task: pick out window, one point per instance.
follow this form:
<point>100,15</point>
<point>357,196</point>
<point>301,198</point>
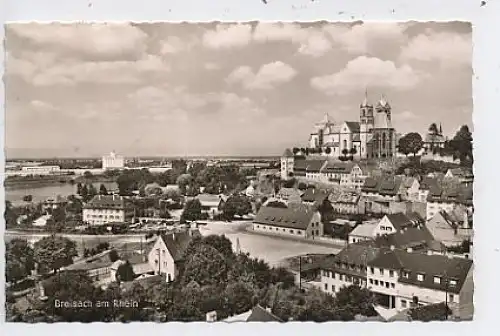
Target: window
<point>420,277</point>
<point>291,231</point>
<point>371,281</point>
<point>405,274</point>
<point>387,285</point>
<point>452,297</point>
<point>391,273</point>
<point>393,285</point>
<point>341,277</point>
<point>403,303</point>
<point>326,287</point>
<point>437,280</point>
<point>376,282</point>
<point>333,288</point>
<point>453,283</point>
<point>372,270</point>
<point>381,271</point>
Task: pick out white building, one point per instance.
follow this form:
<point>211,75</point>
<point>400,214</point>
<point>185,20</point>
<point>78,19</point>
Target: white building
<point>40,170</point>
<point>103,209</point>
<point>168,251</point>
<point>113,161</point>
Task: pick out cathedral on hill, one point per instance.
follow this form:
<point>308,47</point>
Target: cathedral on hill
<point>373,136</point>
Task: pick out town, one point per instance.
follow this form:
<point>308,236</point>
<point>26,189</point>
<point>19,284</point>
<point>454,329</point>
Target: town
<point>361,223</point>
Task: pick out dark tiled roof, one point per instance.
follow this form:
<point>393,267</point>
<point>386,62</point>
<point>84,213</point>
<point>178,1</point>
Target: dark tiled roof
<point>353,126</point>
<point>429,182</point>
<point>462,172</point>
<point>287,153</point>
<point>106,202</point>
<point>314,166</point>
<point>417,238</point>
<point>356,137</point>
<point>384,185</point>
<point>178,242</point>
<point>451,190</point>
<point>315,195</point>
<point>358,254</point>
<point>401,221</point>
<point>260,314</point>
<point>339,167</point>
<point>348,197</point>
<point>294,217</point>
<point>286,193</point>
<point>428,265</point>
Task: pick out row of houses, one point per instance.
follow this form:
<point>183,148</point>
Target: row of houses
<point>402,278</point>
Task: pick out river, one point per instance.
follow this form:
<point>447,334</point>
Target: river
<point>271,249</point>
<point>15,195</point>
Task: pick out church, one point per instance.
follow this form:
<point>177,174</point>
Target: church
<point>373,136</point>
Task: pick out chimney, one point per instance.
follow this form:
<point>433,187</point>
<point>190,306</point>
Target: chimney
<point>392,247</point>
<point>409,250</point>
<point>211,316</point>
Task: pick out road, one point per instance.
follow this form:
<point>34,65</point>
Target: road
<point>271,249</point>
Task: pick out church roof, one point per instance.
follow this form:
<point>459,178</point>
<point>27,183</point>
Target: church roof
<point>383,103</point>
<point>353,126</point>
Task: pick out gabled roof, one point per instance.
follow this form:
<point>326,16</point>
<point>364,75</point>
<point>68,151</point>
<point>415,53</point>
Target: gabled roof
<point>315,195</point>
<point>451,190</point>
<point>364,230</point>
<point>359,254</point>
<point>417,238</point>
<point>353,126</point>
<point>209,199</point>
<point>294,217</point>
<point>178,242</point>
<point>344,196</point>
<point>314,166</point>
<point>401,221</point>
<point>287,153</point>
<point>339,167</point>
<point>106,202</point>
<point>430,266</point>
<point>384,185</point>
<point>260,314</point>
<point>286,193</point>
<point>461,172</point>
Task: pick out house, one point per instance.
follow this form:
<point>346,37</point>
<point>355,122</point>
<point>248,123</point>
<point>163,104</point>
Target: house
<point>410,188</point>
<point>403,279</point>
<point>464,175</point>
<point>211,204</point>
<point>446,195</point>
<point>139,264</point>
<point>347,202</point>
<point>54,203</point>
<point>256,314</point>
<point>393,223</point>
<point>289,195</point>
<point>362,232</point>
<point>345,174</point>
<point>314,170</point>
<point>348,267</point>
<point>451,228</point>
<point>428,182</point>
<point>300,221</point>
<point>168,252</point>
<point>104,209</point>
<point>383,194</point>
<point>314,196</point>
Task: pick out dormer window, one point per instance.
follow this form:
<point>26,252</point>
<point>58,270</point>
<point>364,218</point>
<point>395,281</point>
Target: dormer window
<point>405,274</point>
<point>453,283</point>
<point>420,277</point>
<point>437,280</point>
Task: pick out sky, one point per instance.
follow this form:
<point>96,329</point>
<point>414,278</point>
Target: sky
<point>192,89</point>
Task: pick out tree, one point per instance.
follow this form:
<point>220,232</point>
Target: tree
<point>240,295</point>
<point>296,150</point>
<point>433,312</point>
<point>205,266</point>
<point>433,129</point>
<point>192,211</point>
<point>410,143</point>
<point>125,272</point>
<point>84,192</point>
<point>19,260</point>
<point>79,189</point>
<point>87,174</point>
<point>461,145</point>
<point>113,255</point>
<point>221,243</point>
<point>356,300</point>
<point>142,191</point>
<point>283,276</point>
<point>103,190</point>
<point>236,205</point>
<point>53,252</point>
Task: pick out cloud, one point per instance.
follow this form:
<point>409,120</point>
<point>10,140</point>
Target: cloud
<point>172,45</point>
<point>268,76</point>
<point>311,41</point>
<point>448,49</point>
<point>118,72</point>
<point>96,41</point>
<point>362,38</point>
<point>364,72</point>
<point>42,106</point>
<point>226,36</point>
<point>212,66</point>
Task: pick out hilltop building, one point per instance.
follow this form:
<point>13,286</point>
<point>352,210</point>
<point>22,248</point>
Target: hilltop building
<point>104,209</point>
<point>373,136</point>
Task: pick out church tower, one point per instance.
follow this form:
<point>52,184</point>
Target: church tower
<point>365,124</point>
<point>287,163</point>
<point>384,144</point>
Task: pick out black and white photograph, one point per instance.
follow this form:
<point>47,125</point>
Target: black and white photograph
<point>238,172</point>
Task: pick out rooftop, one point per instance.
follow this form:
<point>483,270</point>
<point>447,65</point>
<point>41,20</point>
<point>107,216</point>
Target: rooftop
<point>106,202</point>
<point>297,217</point>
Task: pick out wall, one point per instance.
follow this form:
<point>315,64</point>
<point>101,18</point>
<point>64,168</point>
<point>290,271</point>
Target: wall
<point>164,264</point>
<point>269,229</point>
<point>442,231</point>
<point>434,207</point>
<point>383,227</point>
<point>107,216</point>
<point>332,278</point>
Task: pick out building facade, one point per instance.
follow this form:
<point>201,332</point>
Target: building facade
<point>373,136</point>
<point>113,161</point>
<point>104,209</point>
